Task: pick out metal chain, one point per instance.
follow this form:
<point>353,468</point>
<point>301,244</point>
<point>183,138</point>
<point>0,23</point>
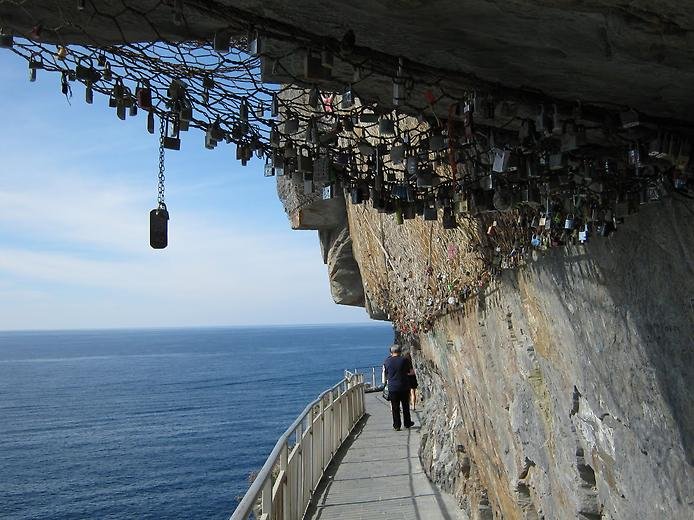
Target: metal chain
<point>162,168</point>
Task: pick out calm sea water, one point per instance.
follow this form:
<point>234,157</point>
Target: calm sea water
<point>163,424</point>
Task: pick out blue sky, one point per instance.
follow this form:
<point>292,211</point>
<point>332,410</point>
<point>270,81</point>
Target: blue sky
<point>76,188</point>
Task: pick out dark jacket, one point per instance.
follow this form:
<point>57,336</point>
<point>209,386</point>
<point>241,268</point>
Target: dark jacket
<point>397,368</point>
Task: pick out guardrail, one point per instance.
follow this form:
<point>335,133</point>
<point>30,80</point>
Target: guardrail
<point>371,375</point>
<point>284,486</point>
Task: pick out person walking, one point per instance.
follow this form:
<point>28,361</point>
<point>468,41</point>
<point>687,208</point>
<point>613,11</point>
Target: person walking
<point>396,370</point>
<point>412,382</point>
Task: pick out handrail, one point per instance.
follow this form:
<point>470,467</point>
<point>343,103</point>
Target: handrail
<point>286,494</point>
<point>371,374</point>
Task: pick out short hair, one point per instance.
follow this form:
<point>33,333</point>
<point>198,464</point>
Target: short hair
<point>395,349</point>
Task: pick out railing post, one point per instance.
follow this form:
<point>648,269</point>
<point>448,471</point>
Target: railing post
<point>266,500</point>
<point>284,466</point>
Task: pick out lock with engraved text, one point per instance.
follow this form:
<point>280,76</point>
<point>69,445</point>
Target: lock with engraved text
<point>159,227</point>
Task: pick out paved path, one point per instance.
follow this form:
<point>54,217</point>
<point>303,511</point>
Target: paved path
<point>377,475</point>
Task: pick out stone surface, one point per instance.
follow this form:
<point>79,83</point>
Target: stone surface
<point>595,50</point>
<point>564,389</point>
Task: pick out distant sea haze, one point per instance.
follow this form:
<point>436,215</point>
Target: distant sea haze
<point>157,424</point>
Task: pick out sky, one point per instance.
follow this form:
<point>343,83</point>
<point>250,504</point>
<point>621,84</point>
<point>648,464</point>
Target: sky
<point>76,188</point>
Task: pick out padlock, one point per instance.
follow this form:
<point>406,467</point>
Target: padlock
<point>583,234</point>
<point>268,170</point>
<point>488,182</point>
<point>347,100</point>
<point>462,205</point>
<point>6,40</point>
<point>501,160</point>
<point>255,44</point>
<point>429,212</point>
<point>87,74</point>
<point>171,142</point>
<point>409,211</point>
<point>535,241</point>
<point>397,153</point>
<point>355,195</point>
<point>106,73</point>
<point>386,126</point>
<point>314,69</point>
<point>629,118</point>
<point>221,41</point>
<point>150,122</point>
<point>89,94</point>
<point>304,160</point>
<point>348,124</point>
<point>437,142</point>
<point>159,227</point>
<point>448,219</point>
<point>132,111</point>
<point>274,105</point>
<point>61,53</point>
<point>569,222</point>
<point>502,199</point>
<point>425,179</point>
<point>143,94</point>
<point>34,65</point>
<point>291,125</point>
<point>328,192</point>
<point>120,109</point>
<point>313,98</point>
<point>412,164</point>
<point>368,118</point>
<point>278,164</point>
<point>399,96</point>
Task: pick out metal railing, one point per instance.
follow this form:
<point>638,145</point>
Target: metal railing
<point>284,486</point>
<point>372,375</point>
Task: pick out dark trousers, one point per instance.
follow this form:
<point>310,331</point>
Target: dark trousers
<point>397,398</point>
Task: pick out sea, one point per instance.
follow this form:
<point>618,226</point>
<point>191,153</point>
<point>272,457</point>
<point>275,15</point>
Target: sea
<point>157,424</point>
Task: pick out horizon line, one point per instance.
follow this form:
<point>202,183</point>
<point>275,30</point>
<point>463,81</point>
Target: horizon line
<point>185,327</point>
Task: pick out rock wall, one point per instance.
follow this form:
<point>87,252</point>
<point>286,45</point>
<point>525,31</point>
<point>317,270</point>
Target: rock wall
<point>561,389</point>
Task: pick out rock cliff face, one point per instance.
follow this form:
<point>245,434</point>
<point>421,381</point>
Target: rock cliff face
<point>563,389</point>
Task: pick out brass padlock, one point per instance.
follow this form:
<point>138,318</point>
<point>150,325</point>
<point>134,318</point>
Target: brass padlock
<point>159,227</point>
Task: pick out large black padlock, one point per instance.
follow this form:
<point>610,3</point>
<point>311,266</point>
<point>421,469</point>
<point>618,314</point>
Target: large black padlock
<point>159,227</point>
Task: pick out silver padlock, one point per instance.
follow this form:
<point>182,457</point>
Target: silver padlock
<point>501,160</point>
<point>569,223</point>
<point>347,100</point>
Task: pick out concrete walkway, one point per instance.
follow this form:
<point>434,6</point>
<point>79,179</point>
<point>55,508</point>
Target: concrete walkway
<point>377,475</point>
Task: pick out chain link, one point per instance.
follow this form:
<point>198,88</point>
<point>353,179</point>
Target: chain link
<point>162,168</point>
